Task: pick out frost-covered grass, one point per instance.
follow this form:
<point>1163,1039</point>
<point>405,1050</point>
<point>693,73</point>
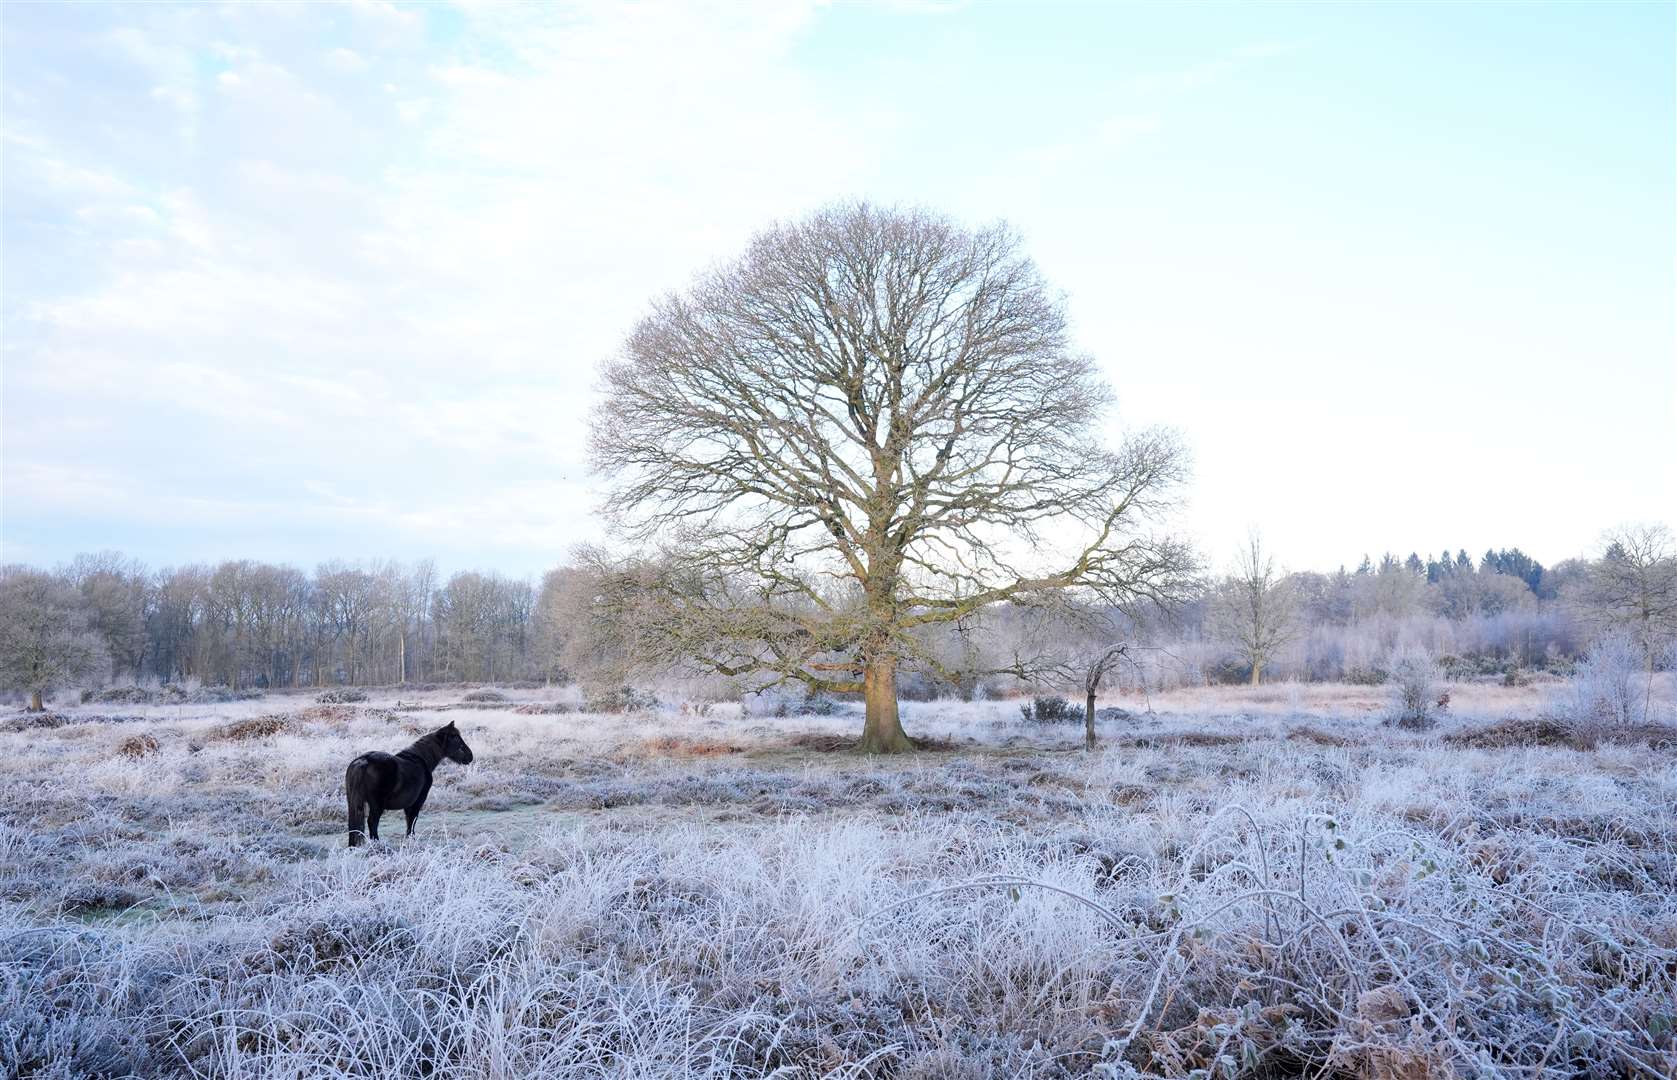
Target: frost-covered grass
<point>1244,883</point>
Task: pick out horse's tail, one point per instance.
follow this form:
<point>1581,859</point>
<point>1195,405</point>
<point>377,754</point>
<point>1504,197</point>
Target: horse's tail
<point>355,790</point>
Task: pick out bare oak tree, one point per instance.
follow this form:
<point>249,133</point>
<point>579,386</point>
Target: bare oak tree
<point>871,423</point>
<point>1254,608</point>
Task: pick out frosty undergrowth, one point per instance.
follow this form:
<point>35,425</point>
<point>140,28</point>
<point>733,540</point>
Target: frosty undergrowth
<point>1255,891</point>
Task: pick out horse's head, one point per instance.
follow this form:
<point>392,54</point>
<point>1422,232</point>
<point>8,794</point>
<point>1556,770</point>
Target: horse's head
<point>454,747</point>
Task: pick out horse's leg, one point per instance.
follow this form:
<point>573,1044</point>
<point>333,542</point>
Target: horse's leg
<point>414,808</point>
<point>374,809</point>
<point>355,790</point>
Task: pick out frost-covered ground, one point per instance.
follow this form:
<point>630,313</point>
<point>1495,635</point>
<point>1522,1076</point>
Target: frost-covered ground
<point>1264,883</point>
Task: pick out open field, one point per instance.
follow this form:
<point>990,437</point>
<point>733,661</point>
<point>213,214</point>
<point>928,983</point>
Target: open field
<point>1246,882</point>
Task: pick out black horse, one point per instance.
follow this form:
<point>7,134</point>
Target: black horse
<point>377,781</point>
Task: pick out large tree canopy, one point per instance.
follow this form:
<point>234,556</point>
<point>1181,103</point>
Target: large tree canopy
<point>872,422</point>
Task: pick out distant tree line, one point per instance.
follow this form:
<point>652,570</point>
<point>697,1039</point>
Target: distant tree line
<point>245,624</point>
<point>1504,612</point>
<point>249,624</point>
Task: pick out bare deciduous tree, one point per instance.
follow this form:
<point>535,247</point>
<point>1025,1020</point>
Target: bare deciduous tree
<point>45,642</point>
<point>872,423</point>
<point>411,592</point>
<point>571,640</point>
<point>1089,643</point>
<point>175,621</point>
<point>1633,587</point>
<point>1094,667</point>
<point>482,625</point>
<point>346,596</point>
<point>235,604</point>
<point>118,596</point>
<point>1254,607</point>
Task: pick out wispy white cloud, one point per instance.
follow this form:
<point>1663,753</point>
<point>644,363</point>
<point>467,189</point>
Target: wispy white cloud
<point>1211,70</point>
<point>346,60</point>
<point>405,286</point>
<point>300,280</point>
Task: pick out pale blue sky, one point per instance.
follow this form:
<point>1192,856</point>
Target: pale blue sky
<point>310,281</point>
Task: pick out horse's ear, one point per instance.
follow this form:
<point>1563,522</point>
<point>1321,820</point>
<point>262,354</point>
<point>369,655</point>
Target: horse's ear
<point>449,726</point>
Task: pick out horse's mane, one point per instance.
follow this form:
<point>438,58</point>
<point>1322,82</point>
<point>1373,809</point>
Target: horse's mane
<point>427,748</point>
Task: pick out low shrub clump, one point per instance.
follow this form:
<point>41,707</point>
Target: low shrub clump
<point>1049,710</point>
<point>34,721</point>
<point>1416,677</point>
<point>551,708</point>
<point>118,695</point>
<point>347,695</point>
<point>168,694</point>
<point>89,897</point>
<point>1317,736</point>
<point>825,744</point>
<point>206,695</point>
<point>1534,731</point>
<point>778,703</point>
<point>1454,667</point>
<point>676,746</point>
<point>257,727</point>
<point>485,695</point>
<point>810,705</point>
<point>336,714</point>
<point>1229,671</point>
<point>622,699</point>
<point>1608,690</point>
<point>137,746</point>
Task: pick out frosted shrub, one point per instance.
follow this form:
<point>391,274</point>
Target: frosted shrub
<point>818,705</point>
<point>1359,676</point>
<point>1608,690</point>
<point>118,695</point>
<point>1416,677</point>
<point>621,699</point>
<point>780,703</point>
<point>1050,710</point>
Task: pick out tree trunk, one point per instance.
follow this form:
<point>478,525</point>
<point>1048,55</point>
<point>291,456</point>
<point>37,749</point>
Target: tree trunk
<point>402,657</point>
<point>883,732</point>
<point>35,702</point>
<point>1089,721</point>
<point>1257,669</point>
<point>1648,694</point>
